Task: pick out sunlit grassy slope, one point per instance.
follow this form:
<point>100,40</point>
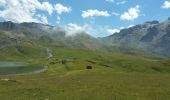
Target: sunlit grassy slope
<point>22,52</point>
<point>114,76</point>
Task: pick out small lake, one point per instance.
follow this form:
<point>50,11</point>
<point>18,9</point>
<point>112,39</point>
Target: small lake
<point>13,68</point>
<point>11,64</point>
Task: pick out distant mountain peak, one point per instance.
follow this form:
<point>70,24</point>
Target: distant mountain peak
<point>151,36</point>
<point>168,18</point>
<point>8,25</point>
<point>152,22</point>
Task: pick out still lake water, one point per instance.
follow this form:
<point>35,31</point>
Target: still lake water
<point>11,64</point>
<point>17,68</point>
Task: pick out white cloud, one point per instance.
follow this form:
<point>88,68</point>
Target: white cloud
<point>58,19</point>
<point>131,14</point>
<point>73,29</point>
<point>62,9</point>
<point>117,30</point>
<point>121,2</point>
<point>24,10</point>
<point>2,2</point>
<point>122,28</point>
<point>48,7</point>
<point>115,13</point>
<point>166,5</point>
<point>42,18</point>
<point>112,31</point>
<point>117,2</point>
<point>111,1</point>
<point>92,13</point>
<point>130,26</point>
<point>35,4</point>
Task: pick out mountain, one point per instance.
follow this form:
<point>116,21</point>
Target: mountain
<point>41,34</point>
<point>151,36</point>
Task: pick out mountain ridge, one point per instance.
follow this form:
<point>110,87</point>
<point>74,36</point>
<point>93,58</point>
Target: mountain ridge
<point>152,36</point>
<point>43,34</point>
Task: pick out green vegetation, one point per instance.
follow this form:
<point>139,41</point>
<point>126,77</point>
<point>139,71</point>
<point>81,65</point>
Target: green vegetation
<point>114,76</point>
<point>40,62</point>
<point>23,52</point>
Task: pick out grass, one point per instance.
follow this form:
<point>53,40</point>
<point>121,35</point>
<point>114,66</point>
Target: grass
<point>23,52</point>
<point>114,76</point>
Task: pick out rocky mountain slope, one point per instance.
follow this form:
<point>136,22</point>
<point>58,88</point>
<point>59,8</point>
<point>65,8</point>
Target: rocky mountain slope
<point>152,36</point>
<point>41,34</point>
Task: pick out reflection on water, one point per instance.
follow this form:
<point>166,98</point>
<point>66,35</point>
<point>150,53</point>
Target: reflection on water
<point>11,64</point>
<point>19,68</point>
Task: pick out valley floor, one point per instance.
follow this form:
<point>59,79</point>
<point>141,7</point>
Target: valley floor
<point>112,77</point>
<point>87,85</point>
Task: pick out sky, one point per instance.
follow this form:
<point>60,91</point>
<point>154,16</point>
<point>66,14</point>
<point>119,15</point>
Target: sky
<point>98,18</point>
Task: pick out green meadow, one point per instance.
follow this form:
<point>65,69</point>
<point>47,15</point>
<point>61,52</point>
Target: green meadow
<point>113,76</point>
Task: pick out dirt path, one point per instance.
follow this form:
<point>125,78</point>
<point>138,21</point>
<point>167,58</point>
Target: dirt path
<point>49,53</point>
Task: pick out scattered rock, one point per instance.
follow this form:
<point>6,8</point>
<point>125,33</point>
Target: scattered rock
<point>106,65</point>
<point>90,61</point>
<point>63,61</point>
<point>8,80</point>
<point>156,69</point>
<point>52,63</point>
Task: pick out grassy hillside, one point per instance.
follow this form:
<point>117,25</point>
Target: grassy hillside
<point>22,51</point>
<point>114,76</point>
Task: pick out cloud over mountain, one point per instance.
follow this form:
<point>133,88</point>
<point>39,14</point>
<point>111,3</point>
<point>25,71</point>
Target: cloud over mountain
<point>131,14</point>
<point>94,12</point>
<point>24,10</point>
<point>62,9</point>
<point>166,5</point>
